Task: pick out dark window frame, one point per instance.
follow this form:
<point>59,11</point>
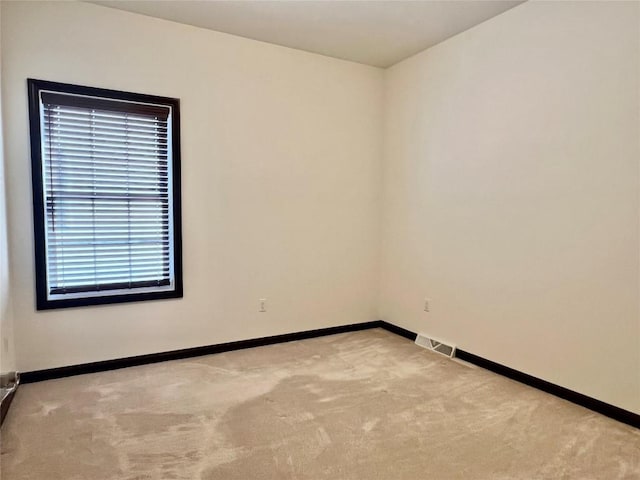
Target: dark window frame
<point>43,302</point>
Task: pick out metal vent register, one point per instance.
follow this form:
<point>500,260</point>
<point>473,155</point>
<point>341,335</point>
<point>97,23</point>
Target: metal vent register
<point>435,345</point>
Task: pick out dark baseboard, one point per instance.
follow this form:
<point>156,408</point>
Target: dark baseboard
<point>606,409</point>
<point>52,373</point>
<point>403,332</point>
<point>603,408</point>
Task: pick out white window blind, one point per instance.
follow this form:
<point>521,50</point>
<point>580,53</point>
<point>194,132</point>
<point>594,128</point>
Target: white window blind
<point>106,184</point>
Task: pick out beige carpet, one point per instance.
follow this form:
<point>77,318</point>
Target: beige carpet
<point>366,405</point>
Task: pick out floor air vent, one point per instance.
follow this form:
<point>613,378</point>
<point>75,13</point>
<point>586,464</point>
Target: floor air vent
<point>435,345</point>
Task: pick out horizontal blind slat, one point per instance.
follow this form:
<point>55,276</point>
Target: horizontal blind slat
<point>91,250</point>
<point>62,148</point>
<point>70,125</point>
<point>73,157</point>
<point>87,133</point>
<point>53,121</point>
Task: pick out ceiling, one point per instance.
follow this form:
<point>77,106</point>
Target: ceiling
<point>378,33</point>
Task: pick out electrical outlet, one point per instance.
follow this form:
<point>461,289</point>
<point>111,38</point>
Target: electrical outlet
<point>427,305</point>
<point>263,305</point>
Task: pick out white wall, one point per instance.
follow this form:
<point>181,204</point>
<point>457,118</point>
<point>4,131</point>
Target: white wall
<point>7,356</point>
<point>280,162</point>
<point>511,194</point>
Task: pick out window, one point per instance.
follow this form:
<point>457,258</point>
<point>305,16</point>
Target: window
<point>106,195</point>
